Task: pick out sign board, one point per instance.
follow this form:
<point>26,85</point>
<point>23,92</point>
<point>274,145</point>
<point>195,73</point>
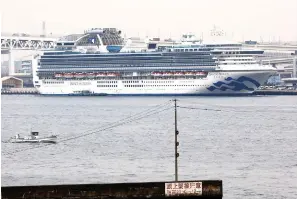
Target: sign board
<point>183,189</point>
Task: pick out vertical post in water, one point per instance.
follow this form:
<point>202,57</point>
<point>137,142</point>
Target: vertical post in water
<point>176,142</point>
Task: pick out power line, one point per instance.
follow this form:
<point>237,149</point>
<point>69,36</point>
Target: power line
<point>148,112</point>
<point>120,124</point>
<point>106,128</point>
<point>226,108</point>
<point>131,116</point>
<point>236,111</point>
<point>204,109</point>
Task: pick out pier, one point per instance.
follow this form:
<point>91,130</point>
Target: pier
<point>19,91</point>
<point>275,92</point>
<point>181,189</point>
<point>33,91</point>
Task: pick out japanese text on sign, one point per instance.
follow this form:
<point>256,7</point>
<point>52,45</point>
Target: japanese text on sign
<point>183,188</point>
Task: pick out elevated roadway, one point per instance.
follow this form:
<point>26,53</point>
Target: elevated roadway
<point>27,43</point>
<point>13,42</point>
<point>273,47</point>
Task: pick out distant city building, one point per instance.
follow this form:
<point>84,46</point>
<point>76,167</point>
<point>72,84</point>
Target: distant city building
<point>4,69</point>
<point>19,67</point>
<point>26,66</point>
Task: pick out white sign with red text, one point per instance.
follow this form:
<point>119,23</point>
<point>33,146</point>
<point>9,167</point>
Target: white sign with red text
<point>183,188</point>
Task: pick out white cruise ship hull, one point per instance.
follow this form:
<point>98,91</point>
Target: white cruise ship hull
<point>216,83</point>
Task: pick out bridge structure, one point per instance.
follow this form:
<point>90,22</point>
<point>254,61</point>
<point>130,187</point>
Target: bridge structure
<point>11,43</point>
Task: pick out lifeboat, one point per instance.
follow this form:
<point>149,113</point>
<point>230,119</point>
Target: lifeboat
<point>178,73</point>
<point>58,75</point>
<point>113,74</point>
<point>100,74</point>
<point>79,75</point>
<point>188,73</point>
<point>200,73</point>
<point>91,75</point>
<point>157,73</point>
<point>167,74</point>
<point>68,75</point>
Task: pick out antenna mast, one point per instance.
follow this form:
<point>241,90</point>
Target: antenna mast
<point>43,29</point>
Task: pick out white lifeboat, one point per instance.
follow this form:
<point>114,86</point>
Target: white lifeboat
<point>68,75</point>
<point>58,75</point>
<point>100,74</point>
<point>201,73</point>
<point>167,74</point>
<point>112,74</point>
<point>91,75</point>
<point>79,75</point>
<point>178,73</point>
<point>157,74</point>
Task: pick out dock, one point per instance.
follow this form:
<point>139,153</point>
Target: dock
<point>201,189</point>
<point>275,92</point>
<point>19,91</point>
<point>34,91</point>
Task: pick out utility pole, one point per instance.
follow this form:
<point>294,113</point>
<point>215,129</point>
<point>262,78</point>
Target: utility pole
<point>176,142</point>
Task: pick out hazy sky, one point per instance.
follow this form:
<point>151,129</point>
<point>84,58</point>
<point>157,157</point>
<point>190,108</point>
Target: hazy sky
<point>242,19</point>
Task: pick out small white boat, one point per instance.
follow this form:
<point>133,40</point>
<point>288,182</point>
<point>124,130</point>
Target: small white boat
<point>34,138</point>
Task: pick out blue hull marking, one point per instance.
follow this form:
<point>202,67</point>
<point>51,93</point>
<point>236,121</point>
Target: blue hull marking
<point>113,49</point>
<point>234,84</point>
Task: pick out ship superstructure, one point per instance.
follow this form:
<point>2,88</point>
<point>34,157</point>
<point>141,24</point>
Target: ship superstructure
<point>94,64</point>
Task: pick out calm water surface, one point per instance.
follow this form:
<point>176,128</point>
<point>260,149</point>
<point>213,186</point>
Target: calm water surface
<point>248,142</point>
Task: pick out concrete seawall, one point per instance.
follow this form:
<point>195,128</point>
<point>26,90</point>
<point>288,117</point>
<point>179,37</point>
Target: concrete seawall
<point>33,91</point>
<point>275,92</point>
<point>178,189</point>
<point>19,91</point>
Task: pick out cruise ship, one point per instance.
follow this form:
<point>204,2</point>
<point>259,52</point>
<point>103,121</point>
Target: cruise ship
<point>99,62</point>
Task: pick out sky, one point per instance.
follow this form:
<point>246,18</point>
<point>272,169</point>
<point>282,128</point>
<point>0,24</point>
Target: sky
<point>266,20</point>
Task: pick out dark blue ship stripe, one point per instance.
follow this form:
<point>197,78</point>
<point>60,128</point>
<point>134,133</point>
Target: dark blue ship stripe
<point>234,84</point>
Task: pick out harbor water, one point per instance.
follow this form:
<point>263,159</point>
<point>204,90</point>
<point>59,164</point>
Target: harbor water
<point>248,142</point>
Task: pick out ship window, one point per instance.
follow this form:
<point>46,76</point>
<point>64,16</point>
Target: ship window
<point>89,40</point>
<point>111,37</point>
